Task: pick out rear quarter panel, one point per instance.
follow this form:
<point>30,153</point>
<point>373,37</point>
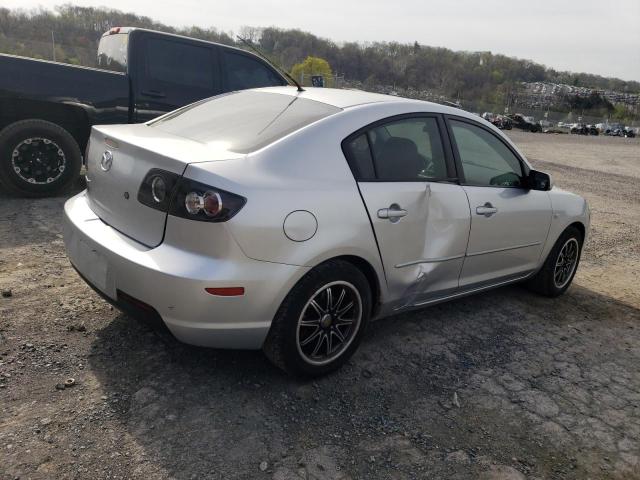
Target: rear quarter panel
<point>303,171</point>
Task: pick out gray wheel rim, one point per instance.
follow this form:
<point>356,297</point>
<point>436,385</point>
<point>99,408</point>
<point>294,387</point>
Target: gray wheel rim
<point>566,263</point>
<point>329,322</point>
<point>38,160</point>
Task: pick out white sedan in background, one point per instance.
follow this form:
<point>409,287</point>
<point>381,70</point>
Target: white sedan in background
<point>287,220</point>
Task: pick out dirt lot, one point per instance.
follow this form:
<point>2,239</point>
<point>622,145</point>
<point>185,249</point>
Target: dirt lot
<point>502,385</point>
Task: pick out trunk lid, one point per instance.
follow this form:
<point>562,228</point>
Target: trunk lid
<point>112,186</point>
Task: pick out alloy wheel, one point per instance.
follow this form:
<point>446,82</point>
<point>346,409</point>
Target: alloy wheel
<point>329,322</point>
<point>566,263</point>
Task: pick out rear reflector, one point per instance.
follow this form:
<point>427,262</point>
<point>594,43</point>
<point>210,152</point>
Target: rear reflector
<point>226,291</point>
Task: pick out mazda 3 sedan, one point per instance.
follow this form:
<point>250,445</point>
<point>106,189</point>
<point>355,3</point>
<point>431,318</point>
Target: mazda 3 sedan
<point>287,220</point>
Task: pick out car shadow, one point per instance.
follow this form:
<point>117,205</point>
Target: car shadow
<point>202,413</point>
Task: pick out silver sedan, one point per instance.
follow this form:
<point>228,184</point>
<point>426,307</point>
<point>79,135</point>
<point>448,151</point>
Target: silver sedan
<point>287,220</point>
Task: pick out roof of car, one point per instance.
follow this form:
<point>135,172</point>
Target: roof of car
<point>345,98</point>
<point>340,98</point>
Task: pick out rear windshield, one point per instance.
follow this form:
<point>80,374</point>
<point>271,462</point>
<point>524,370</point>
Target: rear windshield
<point>112,52</point>
<point>243,122</point>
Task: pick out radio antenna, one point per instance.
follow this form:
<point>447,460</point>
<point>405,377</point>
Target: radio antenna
<point>271,62</point>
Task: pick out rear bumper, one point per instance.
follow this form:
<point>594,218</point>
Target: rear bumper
<point>171,280</point>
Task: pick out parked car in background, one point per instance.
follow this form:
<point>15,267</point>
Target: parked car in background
<point>546,124</point>
<point>525,123</point>
<point>584,129</point>
<point>503,122</point>
<point>47,108</point>
<point>286,220</point>
<point>617,130</point>
<point>602,127</point>
<point>629,132</point>
<point>560,127</point>
<point>500,121</point>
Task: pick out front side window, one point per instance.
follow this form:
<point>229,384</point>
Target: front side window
<point>486,160</point>
<point>245,72</point>
<point>409,149</point>
<point>177,63</point>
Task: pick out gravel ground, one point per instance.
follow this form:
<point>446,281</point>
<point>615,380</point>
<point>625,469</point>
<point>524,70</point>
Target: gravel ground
<point>503,385</point>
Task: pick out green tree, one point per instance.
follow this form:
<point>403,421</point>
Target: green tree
<point>312,66</point>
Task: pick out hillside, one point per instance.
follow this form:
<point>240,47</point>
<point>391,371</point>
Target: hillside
<point>479,77</point>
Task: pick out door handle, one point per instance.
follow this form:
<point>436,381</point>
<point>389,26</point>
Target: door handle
<point>487,209</point>
<point>394,213</point>
<point>153,94</point>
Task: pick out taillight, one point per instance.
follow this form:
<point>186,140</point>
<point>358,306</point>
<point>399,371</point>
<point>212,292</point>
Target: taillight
<point>181,197</point>
<point>157,189</point>
<point>197,201</point>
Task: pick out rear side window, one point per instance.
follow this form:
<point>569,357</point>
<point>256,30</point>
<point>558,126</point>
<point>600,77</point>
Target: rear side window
<point>112,52</point>
<point>244,72</point>
<point>486,160</point>
<point>359,155</point>
<point>243,121</point>
<point>178,63</point>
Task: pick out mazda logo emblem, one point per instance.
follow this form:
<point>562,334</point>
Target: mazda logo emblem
<point>106,161</point>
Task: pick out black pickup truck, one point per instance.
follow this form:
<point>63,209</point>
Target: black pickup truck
<point>47,108</point>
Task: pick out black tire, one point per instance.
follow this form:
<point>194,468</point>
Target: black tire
<point>282,343</point>
<point>24,140</point>
<point>544,281</point>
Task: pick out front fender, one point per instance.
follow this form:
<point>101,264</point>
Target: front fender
<point>568,208</point>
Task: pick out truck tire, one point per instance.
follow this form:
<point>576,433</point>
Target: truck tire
<point>38,158</point>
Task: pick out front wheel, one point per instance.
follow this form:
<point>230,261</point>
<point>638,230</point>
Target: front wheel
<point>38,158</point>
<point>321,321</point>
<point>560,267</point>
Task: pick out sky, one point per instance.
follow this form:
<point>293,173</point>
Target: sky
<point>594,36</point>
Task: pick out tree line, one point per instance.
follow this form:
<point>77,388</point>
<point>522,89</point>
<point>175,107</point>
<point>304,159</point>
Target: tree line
<point>476,76</point>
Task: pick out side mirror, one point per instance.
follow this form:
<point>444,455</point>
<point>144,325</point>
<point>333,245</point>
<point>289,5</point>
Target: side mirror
<point>539,181</point>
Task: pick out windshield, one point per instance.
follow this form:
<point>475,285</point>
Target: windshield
<point>112,52</point>
<point>245,121</point>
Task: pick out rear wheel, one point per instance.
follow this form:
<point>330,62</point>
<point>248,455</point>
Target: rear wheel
<point>560,267</point>
<point>321,321</point>
<point>38,158</point>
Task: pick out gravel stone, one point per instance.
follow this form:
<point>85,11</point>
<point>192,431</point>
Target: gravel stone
<point>548,387</point>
